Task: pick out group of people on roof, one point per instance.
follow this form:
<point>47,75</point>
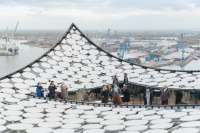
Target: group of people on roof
<point>116,92</point>
<point>52,91</point>
<point>120,92</point>
<point>164,95</point>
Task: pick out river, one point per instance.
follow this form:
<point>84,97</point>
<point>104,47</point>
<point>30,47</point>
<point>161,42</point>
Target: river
<point>27,54</point>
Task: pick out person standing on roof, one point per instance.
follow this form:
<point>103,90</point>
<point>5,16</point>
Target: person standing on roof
<point>125,79</point>
<point>105,94</point>
<point>52,90</point>
<point>126,94</point>
<point>39,90</point>
<point>64,91</point>
<point>164,96</point>
<point>116,94</point>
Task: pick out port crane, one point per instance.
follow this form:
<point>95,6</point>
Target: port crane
<point>9,44</point>
<point>15,29</point>
<point>124,47</point>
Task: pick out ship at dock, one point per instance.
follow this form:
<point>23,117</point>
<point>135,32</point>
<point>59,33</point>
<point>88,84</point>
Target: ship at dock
<point>9,46</point>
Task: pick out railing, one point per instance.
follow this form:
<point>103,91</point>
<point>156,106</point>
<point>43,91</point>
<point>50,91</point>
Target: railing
<point>177,106</point>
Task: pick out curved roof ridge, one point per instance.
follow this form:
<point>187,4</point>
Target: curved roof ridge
<point>83,64</point>
<point>73,25</point>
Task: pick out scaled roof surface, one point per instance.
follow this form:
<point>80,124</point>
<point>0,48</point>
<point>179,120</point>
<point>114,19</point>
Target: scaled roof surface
<point>80,63</point>
<point>75,55</point>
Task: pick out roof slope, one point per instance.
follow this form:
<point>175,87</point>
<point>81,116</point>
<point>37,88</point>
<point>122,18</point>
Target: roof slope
<point>76,60</point>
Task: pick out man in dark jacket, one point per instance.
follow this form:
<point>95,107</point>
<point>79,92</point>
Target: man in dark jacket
<point>52,90</point>
<point>126,94</point>
<point>125,79</point>
<point>164,96</point>
<point>105,94</point>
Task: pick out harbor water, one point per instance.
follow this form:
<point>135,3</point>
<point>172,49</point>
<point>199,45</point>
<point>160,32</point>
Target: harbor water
<point>27,54</point>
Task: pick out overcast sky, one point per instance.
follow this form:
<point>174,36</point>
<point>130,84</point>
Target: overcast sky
<point>101,14</point>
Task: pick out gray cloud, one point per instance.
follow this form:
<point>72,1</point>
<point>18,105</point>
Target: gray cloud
<point>110,4</point>
<point>52,3</point>
<point>100,13</point>
<point>155,4</point>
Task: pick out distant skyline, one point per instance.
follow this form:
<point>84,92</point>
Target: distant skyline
<point>101,14</point>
